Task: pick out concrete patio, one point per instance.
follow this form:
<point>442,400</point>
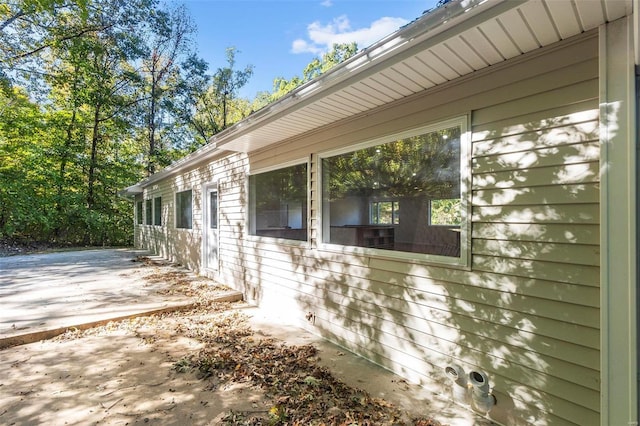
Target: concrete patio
<point>42,295</point>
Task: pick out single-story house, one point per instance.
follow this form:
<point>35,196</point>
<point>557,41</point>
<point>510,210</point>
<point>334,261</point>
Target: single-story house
<point>456,203</point>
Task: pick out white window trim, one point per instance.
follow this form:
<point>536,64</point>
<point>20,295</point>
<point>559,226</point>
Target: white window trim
<point>464,260</point>
<point>250,207</point>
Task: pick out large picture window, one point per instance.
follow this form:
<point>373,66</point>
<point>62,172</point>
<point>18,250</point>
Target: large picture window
<point>183,209</point>
<point>278,203</point>
<point>401,195</point>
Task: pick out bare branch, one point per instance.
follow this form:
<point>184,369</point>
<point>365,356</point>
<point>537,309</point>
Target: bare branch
<point>65,38</point>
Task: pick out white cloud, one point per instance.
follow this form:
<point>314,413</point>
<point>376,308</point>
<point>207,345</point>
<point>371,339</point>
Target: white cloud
<point>327,3</point>
<point>301,46</point>
<point>322,37</point>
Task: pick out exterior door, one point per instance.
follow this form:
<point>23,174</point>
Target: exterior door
<point>210,239</point>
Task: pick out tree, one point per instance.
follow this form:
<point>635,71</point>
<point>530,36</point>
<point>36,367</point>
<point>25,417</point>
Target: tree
<point>214,103</point>
<point>30,29</point>
<point>168,39</point>
<point>93,93</point>
<point>187,133</point>
<point>227,82</point>
<point>87,152</point>
<point>24,166</point>
<point>92,87</point>
<point>318,66</point>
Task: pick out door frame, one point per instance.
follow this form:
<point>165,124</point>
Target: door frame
<point>207,187</point>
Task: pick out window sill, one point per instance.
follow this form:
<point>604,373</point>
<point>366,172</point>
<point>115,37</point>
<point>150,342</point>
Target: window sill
<point>279,241</point>
<point>400,256</point>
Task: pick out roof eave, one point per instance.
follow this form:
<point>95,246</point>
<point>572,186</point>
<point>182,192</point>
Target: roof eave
<point>131,191</point>
<point>427,26</point>
<point>424,28</point>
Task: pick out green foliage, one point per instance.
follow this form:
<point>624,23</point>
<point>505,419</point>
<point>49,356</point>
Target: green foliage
<point>426,163</point>
<point>66,145</point>
<point>218,106</point>
<point>318,66</point>
<point>96,93</point>
<point>446,212</point>
<point>23,166</point>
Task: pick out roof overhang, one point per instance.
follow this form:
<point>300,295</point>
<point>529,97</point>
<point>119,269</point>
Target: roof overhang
<point>131,191</point>
<point>457,39</point>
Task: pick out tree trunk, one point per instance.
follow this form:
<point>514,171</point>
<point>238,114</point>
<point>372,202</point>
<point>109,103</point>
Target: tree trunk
<point>151,121</point>
<point>95,139</point>
<point>64,158</point>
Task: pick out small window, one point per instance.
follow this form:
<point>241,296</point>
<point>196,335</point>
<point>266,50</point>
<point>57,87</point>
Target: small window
<point>384,213</point>
<point>213,211</point>
<point>183,209</point>
<point>278,203</point>
<point>139,214</point>
<point>148,212</point>
<point>157,211</point>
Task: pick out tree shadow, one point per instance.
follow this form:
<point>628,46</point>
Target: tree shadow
<point>526,312</point>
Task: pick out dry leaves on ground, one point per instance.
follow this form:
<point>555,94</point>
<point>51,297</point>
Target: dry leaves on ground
<point>299,390</point>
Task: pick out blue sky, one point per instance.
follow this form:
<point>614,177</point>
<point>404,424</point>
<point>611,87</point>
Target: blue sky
<point>280,37</point>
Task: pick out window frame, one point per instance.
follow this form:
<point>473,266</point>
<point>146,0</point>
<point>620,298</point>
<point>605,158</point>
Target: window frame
<point>249,221</point>
<point>176,206</point>
<point>323,219</point>
<point>395,219</point>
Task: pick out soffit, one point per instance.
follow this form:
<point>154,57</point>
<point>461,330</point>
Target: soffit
<point>437,48</point>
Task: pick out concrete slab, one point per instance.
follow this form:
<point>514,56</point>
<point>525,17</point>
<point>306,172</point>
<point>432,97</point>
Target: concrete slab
<point>117,379</point>
<point>361,373</point>
<point>42,295</point>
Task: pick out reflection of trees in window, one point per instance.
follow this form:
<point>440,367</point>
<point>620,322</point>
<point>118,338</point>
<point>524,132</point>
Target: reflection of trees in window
<point>183,209</point>
<point>426,165</point>
<point>148,211</point>
<point>283,184</point>
<point>157,211</point>
<point>279,203</point>
<point>391,196</point>
<point>139,216</point>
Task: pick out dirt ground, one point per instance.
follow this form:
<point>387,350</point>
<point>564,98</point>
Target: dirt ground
<point>13,247</point>
<point>205,366</point>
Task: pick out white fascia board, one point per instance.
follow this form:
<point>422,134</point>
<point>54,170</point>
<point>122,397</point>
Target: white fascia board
<point>400,44</point>
<point>405,41</point>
